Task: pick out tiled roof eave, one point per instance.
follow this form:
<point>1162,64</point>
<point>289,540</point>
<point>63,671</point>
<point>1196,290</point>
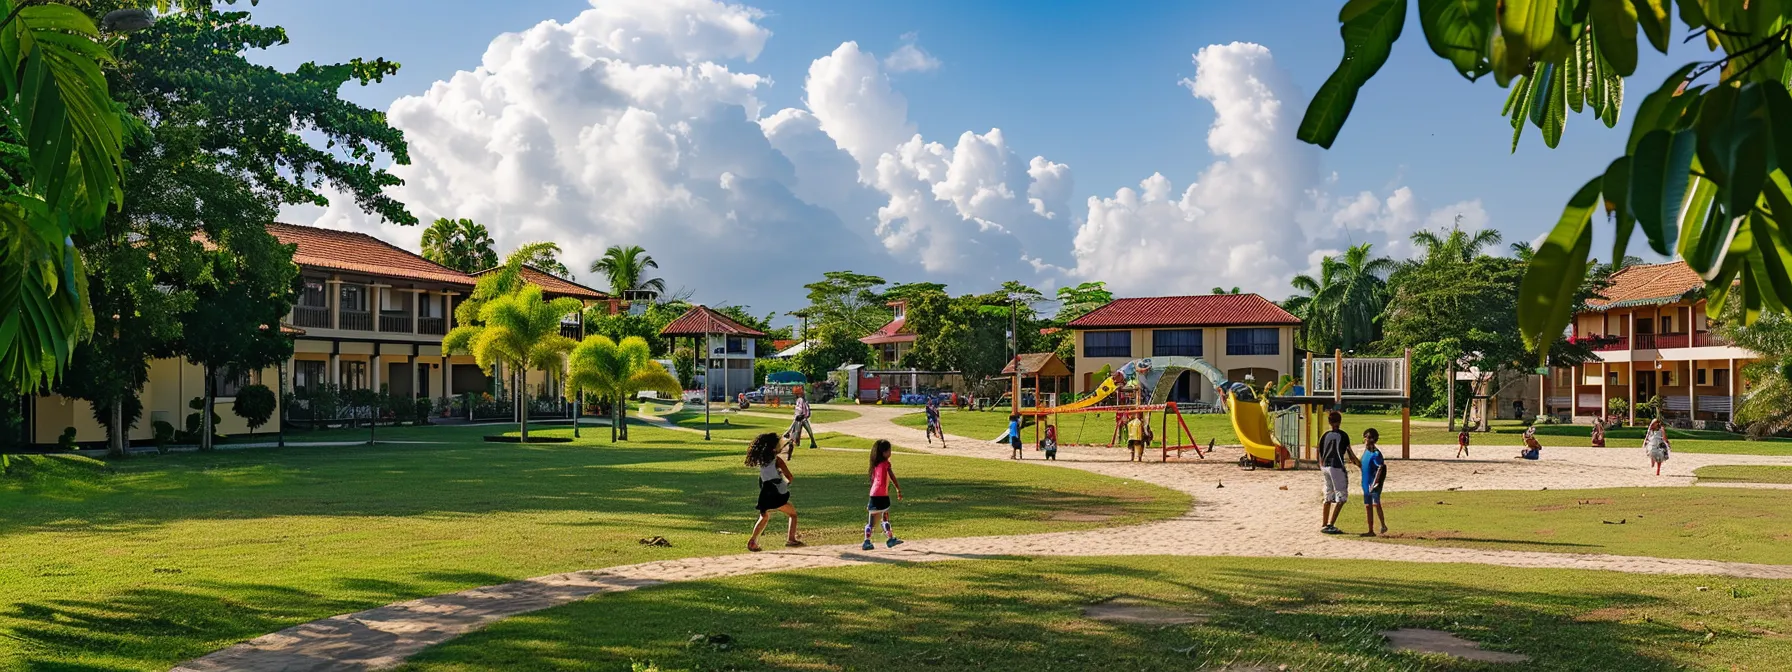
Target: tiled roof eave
<point>1647,301</point>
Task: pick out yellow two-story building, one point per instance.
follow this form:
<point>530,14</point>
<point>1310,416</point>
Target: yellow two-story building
<point>1652,338</point>
<point>369,315</point>
<point>1245,335</point>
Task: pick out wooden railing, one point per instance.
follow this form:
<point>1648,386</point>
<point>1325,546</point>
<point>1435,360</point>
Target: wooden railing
<point>573,330</point>
<point>1359,376</point>
<point>1672,340</point>
<point>311,316</point>
<point>398,323</point>
<point>1643,342</point>
<point>1706,338</point>
<point>434,326</point>
<point>356,321</point>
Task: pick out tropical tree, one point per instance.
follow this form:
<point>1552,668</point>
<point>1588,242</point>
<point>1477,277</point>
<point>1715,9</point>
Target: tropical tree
<point>63,162</point>
<point>545,257</point>
<point>626,269</point>
<point>1223,290</point>
<point>1318,332</point>
<point>1701,174</point>
<point>1345,303</point>
<point>1075,302</point>
<point>1456,245</point>
<point>1767,408</point>
<point>850,300</point>
<point>520,330</point>
<point>617,372</point>
<point>460,244</point>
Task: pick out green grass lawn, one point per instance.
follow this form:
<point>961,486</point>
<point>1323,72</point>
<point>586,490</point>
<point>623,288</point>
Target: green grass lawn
<point>1072,428</point>
<point>143,563</point>
<point>1261,614</point>
<point>1736,473</point>
<point>1511,433</point>
<point>1728,524</point>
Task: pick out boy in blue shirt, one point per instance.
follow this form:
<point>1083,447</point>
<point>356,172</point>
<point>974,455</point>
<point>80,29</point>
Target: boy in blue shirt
<point>1375,473</point>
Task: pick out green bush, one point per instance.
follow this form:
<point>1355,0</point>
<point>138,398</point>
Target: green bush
<point>423,408</point>
<point>164,433</point>
<point>67,440</point>
<point>255,404</point>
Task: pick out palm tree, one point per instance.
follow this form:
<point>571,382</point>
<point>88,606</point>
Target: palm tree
<point>626,268</point>
<point>460,244</point>
<point>1316,315</point>
<point>545,257</point>
<point>1362,291</point>
<point>617,371</point>
<point>1457,245</point>
<point>1223,290</point>
<point>520,330</point>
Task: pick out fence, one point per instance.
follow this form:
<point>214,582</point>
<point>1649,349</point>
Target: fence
<point>1360,376</point>
<point>1287,427</point>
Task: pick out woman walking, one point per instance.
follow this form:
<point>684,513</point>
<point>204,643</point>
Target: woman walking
<point>774,488</point>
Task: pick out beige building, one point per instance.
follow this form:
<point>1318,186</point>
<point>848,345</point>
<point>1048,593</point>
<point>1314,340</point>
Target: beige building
<point>1652,338</point>
<point>370,314</point>
<point>1245,335</point>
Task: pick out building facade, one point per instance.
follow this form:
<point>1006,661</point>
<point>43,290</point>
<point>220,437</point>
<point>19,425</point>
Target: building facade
<point>1245,335</point>
<point>1652,338</point>
<point>369,315</point>
<point>892,340</point>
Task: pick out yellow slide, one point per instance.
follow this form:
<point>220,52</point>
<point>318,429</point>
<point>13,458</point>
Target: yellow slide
<point>1250,420</point>
<point>1103,391</point>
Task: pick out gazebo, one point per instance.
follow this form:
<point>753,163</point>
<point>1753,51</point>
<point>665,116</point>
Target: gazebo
<point>1041,367</point>
<point>723,342</point>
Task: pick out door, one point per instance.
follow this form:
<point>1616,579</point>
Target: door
<point>1645,386</point>
<point>423,381</point>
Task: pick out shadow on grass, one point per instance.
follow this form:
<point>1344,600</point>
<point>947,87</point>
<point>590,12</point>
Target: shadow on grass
<point>1026,615</point>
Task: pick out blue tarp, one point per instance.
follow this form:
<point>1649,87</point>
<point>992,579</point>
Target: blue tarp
<point>786,378</point>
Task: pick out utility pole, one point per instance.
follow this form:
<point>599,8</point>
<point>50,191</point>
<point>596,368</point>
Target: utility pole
<point>1014,346</point>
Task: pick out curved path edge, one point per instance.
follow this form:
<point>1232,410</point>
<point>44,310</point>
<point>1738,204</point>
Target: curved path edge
<point>384,637</point>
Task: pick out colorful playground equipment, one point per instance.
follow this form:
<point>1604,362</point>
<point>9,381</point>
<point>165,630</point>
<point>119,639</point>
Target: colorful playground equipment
<point>1268,422</point>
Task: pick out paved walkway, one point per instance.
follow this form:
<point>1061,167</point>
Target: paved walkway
<point>1237,513</point>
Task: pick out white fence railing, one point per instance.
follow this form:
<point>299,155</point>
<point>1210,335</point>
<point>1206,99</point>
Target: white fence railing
<point>1358,376</point>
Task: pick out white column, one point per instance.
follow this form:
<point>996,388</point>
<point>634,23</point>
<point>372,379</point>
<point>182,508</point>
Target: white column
<point>416,313</point>
<point>334,288</point>
<point>376,298</point>
<point>334,375</point>
<point>1732,390</point>
<point>373,369</point>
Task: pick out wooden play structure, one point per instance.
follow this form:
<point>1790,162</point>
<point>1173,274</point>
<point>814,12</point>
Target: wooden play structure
<point>1338,382</point>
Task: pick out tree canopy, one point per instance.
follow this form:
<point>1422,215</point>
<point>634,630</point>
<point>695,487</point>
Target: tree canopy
<point>460,244</point>
<point>1702,174</point>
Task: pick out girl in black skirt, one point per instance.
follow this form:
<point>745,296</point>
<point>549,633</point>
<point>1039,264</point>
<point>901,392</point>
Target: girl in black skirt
<point>774,487</point>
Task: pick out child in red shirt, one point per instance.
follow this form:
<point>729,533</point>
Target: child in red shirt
<point>882,477</point>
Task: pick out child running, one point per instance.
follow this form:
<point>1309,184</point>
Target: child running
<point>1462,442</point>
<point>1050,442</point>
<point>1014,437</point>
<point>933,422</point>
<point>1375,473</point>
<point>882,477</point>
<point>774,487</point>
<point>1655,442</point>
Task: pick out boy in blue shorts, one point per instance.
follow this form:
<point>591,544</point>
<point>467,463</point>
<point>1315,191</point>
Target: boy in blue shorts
<point>1375,473</point>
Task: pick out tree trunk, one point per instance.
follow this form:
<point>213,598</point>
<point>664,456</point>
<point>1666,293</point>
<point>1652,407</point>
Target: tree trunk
<point>118,438</point>
<point>615,431</point>
<point>205,413</point>
<point>578,409</point>
<point>622,417</point>
<point>522,404</point>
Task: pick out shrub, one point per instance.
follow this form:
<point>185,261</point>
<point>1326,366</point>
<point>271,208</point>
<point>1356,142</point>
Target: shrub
<point>421,409</point>
<point>255,404</point>
<point>67,440</point>
<point>164,433</point>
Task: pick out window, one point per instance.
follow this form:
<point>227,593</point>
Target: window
<point>353,298</point>
<point>1107,344</point>
<point>1667,324</point>
<point>228,382</point>
<point>394,300</point>
<point>1699,379</point>
<point>1721,378</point>
<point>307,375</point>
<point>1176,343</point>
<point>314,294</point>
<point>1253,341</point>
<point>354,375</point>
<point>428,306</point>
<point>737,345</point>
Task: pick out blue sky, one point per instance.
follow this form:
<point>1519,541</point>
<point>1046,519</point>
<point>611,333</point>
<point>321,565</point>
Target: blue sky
<point>1091,85</point>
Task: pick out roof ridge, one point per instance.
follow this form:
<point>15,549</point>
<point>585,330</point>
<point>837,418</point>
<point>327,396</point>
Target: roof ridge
<point>376,239</point>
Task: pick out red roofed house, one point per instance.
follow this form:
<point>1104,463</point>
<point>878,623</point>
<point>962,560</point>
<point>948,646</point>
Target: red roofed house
<point>1652,338</point>
<point>891,341</point>
<point>731,349</point>
<point>1242,334</point>
<point>370,314</point>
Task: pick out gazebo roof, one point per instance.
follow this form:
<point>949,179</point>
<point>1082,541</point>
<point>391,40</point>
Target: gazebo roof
<point>1042,364</point>
<point>701,321</point>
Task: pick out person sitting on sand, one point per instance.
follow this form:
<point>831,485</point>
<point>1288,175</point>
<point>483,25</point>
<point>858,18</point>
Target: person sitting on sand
<point>1532,449</point>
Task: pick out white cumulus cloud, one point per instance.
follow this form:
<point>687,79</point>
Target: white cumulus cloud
<point>910,57</point>
<point>639,122</point>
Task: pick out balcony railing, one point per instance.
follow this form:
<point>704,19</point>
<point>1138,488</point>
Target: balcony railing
<point>572,331</point>
<point>1643,341</point>
<point>356,321</point>
<point>395,322</point>
<point>1619,344</point>
<point>1706,338</point>
<point>1361,375</point>
<point>317,317</point>
<point>434,326</point>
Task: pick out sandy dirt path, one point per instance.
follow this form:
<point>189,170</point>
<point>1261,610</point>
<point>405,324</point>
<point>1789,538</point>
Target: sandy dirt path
<point>1259,513</point>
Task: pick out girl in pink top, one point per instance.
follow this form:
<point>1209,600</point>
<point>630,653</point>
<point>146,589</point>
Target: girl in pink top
<point>882,477</point>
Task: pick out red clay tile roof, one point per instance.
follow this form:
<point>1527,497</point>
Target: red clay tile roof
<point>889,333</point>
<point>700,320</point>
<point>1207,310</point>
<point>1649,284</point>
<point>361,253</point>
<point>554,285</point>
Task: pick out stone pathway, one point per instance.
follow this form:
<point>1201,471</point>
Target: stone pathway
<point>1237,513</point>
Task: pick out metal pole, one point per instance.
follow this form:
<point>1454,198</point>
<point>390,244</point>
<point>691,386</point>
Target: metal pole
<point>281,398</point>
<point>706,385</point>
